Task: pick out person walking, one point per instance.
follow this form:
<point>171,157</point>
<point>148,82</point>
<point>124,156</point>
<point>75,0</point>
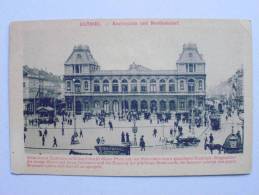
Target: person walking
<point>171,132</point>
<point>110,125</point>
<point>98,140</point>
<point>211,138</point>
<point>45,132</point>
<point>40,133</point>
<point>154,132</point>
<point>142,143</point>
<point>54,142</point>
<point>43,140</point>
<point>127,138</point>
<point>205,142</point>
<point>122,137</point>
<point>81,133</point>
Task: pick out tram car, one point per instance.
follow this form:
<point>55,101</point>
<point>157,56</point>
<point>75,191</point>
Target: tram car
<point>233,144</point>
<point>215,121</point>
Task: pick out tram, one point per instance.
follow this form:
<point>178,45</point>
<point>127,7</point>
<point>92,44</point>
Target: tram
<point>233,144</point>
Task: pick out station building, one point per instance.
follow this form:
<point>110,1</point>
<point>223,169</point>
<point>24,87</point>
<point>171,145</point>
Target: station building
<point>138,88</point>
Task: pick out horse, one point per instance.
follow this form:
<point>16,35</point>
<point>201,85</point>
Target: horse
<point>212,147</point>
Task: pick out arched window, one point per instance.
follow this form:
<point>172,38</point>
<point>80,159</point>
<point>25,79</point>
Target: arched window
<point>143,85</point>
<point>191,85</point>
<point>105,85</point>
<point>96,86</point>
<point>200,85</point>
<point>172,105</point>
<point>143,106</point>
<point>134,86</point>
<point>124,86</point>
<point>115,86</point>
<point>181,85</point>
<point>86,85</point>
<point>162,85</point>
<point>171,85</point>
<point>162,106</point>
<point>153,85</point>
<point>106,106</point>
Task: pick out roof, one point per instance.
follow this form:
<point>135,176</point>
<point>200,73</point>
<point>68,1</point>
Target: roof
<point>190,54</point>
<point>81,55</point>
<point>135,69</point>
<point>40,74</point>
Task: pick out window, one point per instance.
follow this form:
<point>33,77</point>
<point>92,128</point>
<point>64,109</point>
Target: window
<point>106,86</point>
<point>182,105</point>
<point>77,84</point>
<point>134,86</point>
<point>190,67</point>
<point>200,85</point>
<point>162,106</point>
<point>77,69</point>
<point>115,86</point>
<point>181,85</point>
<point>68,85</point>
<point>124,86</point>
<point>143,86</point>
<point>171,85</point>
<point>153,85</point>
<point>162,85</point>
<point>96,86</point>
<point>191,85</point>
<point>86,85</point>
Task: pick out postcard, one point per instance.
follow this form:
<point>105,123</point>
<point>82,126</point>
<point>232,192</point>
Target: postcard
<point>131,97</point>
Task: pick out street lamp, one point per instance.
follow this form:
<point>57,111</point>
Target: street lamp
<point>74,110</point>
<point>135,130</point>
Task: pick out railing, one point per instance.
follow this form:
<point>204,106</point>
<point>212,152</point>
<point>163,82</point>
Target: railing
<point>134,93</point>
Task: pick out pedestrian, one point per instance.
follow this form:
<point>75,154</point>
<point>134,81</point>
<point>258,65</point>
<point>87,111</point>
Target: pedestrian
<point>98,140</point>
<point>72,139</point>
<point>102,140</point>
<point>211,138</point>
<point>81,133</point>
<point>127,138</point>
<point>24,137</point>
<point>171,132</point>
<point>43,140</point>
<point>205,142</point>
<point>63,131</point>
<point>122,137</point>
<point>142,143</point>
<point>154,132</point>
<point>110,125</point>
<point>54,142</point>
<point>40,133</point>
<point>45,132</point>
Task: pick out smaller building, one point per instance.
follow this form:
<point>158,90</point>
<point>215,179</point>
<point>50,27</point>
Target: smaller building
<point>40,88</point>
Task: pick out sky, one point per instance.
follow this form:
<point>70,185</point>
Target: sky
<point>224,44</point>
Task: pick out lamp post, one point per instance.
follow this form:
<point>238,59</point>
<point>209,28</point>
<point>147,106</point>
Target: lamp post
<point>135,130</point>
<point>74,110</point>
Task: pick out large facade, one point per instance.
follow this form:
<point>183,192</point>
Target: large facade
<point>139,88</point>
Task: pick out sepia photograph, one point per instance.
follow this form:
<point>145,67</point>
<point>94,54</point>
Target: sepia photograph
<point>134,87</point>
